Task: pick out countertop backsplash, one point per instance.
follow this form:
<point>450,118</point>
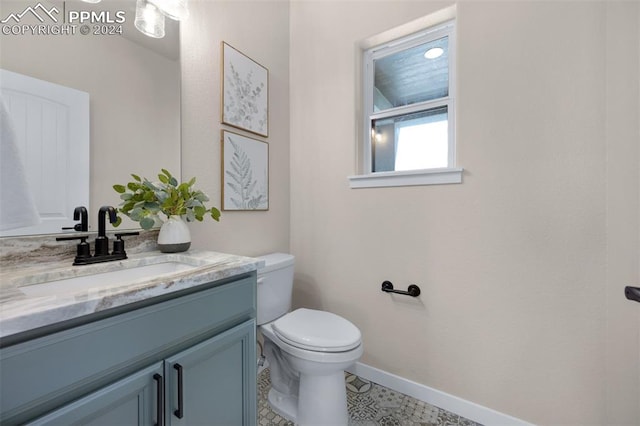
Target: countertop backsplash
<point>22,252</point>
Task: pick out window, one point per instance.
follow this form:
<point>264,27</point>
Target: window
<point>408,104</point>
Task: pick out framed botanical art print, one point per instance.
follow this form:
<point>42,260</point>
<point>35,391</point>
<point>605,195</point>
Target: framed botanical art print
<point>245,173</point>
<point>245,92</point>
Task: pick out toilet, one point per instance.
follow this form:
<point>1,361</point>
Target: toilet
<point>307,350</point>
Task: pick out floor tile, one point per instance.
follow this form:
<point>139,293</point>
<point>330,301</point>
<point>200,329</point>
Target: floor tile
<point>370,404</point>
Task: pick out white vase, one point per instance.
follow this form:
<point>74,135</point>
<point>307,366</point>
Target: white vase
<point>174,236</point>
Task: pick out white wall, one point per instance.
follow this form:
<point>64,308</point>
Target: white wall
<point>623,212</point>
<point>512,263</point>
<point>260,30</point>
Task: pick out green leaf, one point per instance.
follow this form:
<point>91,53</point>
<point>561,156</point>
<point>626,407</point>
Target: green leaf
<point>117,222</point>
<point>136,177</point>
<point>200,196</point>
<point>147,223</point>
<point>163,179</point>
<point>199,211</point>
<point>153,207</point>
<point>149,196</point>
<point>136,215</point>
<point>148,186</point>
<point>119,188</point>
<point>215,214</point>
<point>126,207</point>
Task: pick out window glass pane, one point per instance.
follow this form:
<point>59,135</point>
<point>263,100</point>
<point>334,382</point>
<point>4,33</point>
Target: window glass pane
<point>413,75</point>
<point>411,141</point>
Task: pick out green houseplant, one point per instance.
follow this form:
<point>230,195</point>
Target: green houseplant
<point>143,201</point>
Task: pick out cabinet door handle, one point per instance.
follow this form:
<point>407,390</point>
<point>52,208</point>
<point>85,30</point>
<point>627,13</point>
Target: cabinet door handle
<point>179,413</point>
<point>160,398</point>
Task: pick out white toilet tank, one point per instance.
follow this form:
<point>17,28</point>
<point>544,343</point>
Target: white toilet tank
<point>275,285</point>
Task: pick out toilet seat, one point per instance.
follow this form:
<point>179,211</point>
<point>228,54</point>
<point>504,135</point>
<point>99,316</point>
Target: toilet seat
<point>317,331</point>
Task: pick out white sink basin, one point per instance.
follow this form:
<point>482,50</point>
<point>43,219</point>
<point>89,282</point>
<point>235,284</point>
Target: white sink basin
<point>104,280</point>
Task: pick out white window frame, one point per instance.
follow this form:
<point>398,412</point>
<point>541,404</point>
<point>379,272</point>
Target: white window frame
<point>450,174</point>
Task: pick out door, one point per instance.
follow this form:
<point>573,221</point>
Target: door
<point>214,382</point>
<point>51,124</point>
<point>134,400</point>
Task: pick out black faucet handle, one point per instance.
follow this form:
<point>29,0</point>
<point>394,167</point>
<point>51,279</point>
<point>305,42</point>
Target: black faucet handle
<point>126,234</point>
<point>79,213</point>
<point>83,250</point>
<point>76,227</point>
<point>118,244</point>
<point>73,237</point>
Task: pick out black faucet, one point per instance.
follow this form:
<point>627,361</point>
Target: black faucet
<point>102,242</point>
<point>80,213</point>
<point>101,253</point>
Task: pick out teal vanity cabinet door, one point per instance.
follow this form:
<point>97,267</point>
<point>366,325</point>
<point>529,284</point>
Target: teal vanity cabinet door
<point>214,382</point>
<point>135,400</point>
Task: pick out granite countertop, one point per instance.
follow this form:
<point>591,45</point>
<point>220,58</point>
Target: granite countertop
<point>21,311</point>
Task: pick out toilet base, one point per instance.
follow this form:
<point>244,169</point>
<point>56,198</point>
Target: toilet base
<point>284,405</point>
<point>322,401</point>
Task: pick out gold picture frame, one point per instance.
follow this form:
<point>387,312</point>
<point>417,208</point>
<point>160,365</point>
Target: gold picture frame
<point>245,172</point>
<point>245,92</point>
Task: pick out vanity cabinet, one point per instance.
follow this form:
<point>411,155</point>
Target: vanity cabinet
<point>186,360</point>
<point>130,401</point>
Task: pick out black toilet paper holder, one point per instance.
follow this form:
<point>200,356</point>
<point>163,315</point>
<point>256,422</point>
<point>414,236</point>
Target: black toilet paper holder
<point>413,290</point>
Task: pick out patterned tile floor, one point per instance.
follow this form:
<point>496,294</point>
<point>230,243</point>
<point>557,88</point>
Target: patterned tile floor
<point>369,404</point>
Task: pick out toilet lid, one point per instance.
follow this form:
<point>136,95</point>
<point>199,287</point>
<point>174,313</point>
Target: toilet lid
<point>317,331</point>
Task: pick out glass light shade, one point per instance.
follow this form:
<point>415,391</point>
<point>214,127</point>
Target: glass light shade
<point>149,20</point>
<point>174,9</point>
<point>434,52</point>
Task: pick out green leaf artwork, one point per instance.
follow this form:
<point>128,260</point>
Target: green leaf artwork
<point>245,92</point>
<point>245,175</point>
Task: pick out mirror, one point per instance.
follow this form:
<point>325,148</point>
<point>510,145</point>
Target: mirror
<point>133,82</point>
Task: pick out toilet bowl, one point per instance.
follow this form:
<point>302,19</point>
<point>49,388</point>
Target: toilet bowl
<point>307,350</point>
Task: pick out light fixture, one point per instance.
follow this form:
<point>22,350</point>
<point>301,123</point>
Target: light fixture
<point>377,137</point>
<point>149,20</point>
<point>174,9</point>
<point>92,1</point>
<point>434,52</point>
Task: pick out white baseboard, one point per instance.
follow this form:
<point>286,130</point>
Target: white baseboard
<point>459,406</point>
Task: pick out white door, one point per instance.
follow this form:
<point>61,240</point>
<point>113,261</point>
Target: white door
<point>52,130</point>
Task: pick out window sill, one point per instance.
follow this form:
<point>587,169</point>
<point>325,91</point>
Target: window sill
<point>408,178</point>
